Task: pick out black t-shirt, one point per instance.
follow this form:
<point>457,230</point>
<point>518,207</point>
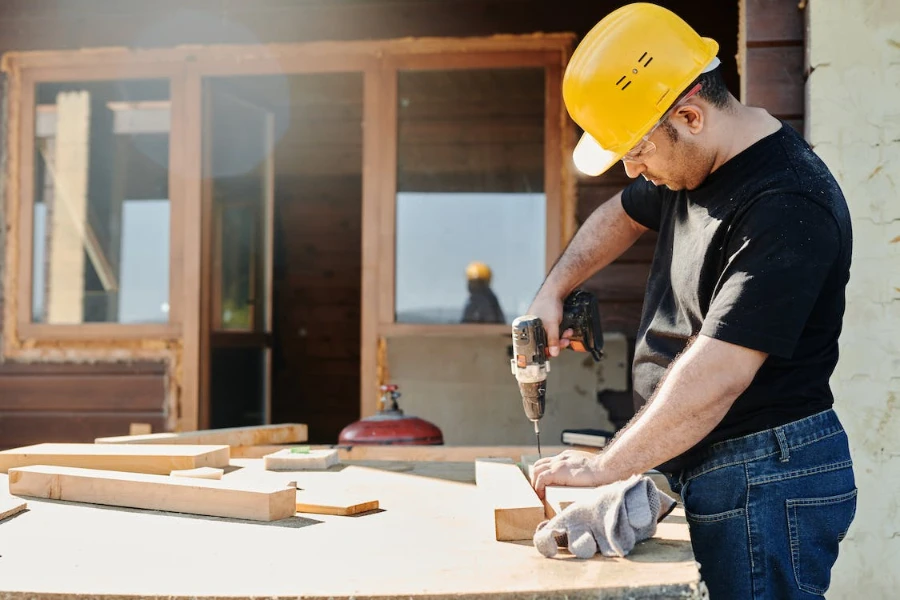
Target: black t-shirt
<point>759,256</point>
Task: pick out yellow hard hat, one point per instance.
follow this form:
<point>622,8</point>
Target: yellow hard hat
<point>625,74</point>
<point>478,270</point>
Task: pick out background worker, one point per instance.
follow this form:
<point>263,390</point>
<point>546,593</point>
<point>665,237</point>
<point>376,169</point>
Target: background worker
<point>742,312</point>
<point>482,305</point>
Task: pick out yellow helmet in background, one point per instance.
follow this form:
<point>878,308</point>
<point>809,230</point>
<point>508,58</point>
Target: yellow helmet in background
<point>625,74</point>
<point>478,270</point>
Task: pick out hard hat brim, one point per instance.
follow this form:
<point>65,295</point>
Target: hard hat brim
<point>591,158</point>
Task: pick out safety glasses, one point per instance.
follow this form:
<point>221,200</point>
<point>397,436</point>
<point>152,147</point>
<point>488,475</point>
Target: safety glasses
<point>645,148</point>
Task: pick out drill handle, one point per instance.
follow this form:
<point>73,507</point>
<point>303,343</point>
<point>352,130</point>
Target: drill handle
<point>581,314</point>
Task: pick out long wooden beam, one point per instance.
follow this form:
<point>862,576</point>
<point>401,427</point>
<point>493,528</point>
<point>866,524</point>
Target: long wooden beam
<point>517,508</point>
<point>156,459</point>
<point>282,433</point>
<point>154,492</point>
<point>412,453</point>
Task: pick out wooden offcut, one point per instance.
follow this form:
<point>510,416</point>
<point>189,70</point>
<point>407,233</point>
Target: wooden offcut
<point>284,433</point>
<point>199,473</point>
<point>310,460</point>
<point>343,503</point>
<point>155,492</point>
<point>517,509</point>
<point>154,459</point>
<point>10,506</point>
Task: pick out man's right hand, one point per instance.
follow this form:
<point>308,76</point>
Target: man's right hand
<point>548,307</point>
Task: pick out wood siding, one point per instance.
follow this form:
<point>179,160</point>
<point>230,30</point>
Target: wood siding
<point>77,403</point>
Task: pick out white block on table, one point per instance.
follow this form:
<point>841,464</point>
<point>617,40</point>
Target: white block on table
<point>314,460</point>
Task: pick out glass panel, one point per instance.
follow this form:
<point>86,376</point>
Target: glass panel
<point>101,203</point>
<point>471,208</point>
<point>240,134</point>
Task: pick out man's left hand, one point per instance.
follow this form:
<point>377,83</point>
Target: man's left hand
<point>574,468</point>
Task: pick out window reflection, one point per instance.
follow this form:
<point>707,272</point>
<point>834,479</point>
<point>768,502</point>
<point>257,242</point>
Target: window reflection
<point>471,208</point>
<point>101,210</point>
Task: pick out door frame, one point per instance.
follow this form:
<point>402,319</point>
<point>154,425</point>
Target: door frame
<point>184,341</point>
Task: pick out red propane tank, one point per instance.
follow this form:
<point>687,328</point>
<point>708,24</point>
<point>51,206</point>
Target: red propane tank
<point>390,426</point>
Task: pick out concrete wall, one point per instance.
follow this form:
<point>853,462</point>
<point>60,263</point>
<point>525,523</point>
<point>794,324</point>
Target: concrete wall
<point>854,125</point>
<point>465,387</point>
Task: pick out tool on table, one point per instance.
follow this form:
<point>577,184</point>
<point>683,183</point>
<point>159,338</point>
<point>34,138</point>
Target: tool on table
<point>530,363</point>
<point>389,426</point>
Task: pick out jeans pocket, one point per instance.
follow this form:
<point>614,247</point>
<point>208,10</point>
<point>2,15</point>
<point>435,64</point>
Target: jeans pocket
<point>721,546</point>
<point>816,527</point>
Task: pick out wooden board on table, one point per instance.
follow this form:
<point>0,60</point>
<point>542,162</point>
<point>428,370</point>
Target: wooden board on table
<point>517,508</point>
<point>283,433</point>
<point>410,453</point>
<point>335,503</point>
<point>155,459</point>
<point>10,506</point>
<point>155,492</point>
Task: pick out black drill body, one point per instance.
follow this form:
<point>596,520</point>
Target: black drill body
<point>530,363</point>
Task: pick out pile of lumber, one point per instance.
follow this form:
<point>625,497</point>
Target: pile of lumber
<point>176,472</point>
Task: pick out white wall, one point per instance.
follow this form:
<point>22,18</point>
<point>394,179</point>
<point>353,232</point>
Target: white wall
<point>465,387</point>
<point>854,125</point>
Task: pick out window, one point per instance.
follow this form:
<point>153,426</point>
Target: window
<point>470,194</point>
<point>100,244</point>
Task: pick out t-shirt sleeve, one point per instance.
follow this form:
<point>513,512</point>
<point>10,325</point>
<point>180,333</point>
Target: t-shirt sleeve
<point>643,202</point>
<point>778,257</point>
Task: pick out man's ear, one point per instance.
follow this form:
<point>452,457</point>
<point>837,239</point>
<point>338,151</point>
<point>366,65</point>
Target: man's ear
<point>692,117</point>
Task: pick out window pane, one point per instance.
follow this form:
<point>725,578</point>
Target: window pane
<point>101,205</point>
<point>470,195</point>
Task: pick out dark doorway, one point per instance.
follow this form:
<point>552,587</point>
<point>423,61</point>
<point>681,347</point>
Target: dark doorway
<point>285,163</point>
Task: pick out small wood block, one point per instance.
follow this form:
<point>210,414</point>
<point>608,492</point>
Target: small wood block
<point>517,509</point>
<point>254,435</point>
<point>10,506</point>
<point>200,473</point>
<point>314,460</point>
<point>334,503</point>
<point>140,429</point>
<point>155,492</point>
<point>557,498</point>
<point>155,459</point>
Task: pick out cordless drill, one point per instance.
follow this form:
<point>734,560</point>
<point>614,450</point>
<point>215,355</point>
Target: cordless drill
<point>531,351</point>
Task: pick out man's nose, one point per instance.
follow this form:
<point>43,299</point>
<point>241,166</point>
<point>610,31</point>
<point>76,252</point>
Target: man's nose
<point>634,169</point>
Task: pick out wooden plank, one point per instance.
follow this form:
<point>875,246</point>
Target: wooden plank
<point>10,506</point>
<point>342,503</point>
<point>84,392</point>
<point>517,509</point>
<point>775,80</point>
<point>771,21</point>
<point>23,428</point>
<point>154,492</point>
<point>283,433</point>
<point>410,453</point>
<point>156,459</point>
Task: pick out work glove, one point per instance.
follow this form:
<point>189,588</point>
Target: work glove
<point>619,516</point>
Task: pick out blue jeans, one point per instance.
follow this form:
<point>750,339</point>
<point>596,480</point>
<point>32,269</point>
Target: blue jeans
<point>767,511</point>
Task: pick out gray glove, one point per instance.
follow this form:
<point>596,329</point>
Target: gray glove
<point>620,515</point>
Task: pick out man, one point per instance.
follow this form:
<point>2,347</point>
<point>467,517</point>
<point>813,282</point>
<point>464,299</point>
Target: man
<point>482,305</point>
<point>743,306</point>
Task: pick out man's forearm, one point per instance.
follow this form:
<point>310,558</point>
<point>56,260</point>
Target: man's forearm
<point>692,399</point>
<point>603,237</point>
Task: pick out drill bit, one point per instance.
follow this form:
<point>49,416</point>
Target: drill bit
<point>537,434</point>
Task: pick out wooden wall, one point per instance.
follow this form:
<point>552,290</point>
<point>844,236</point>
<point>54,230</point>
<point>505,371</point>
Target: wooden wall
<point>773,48</point>
<point>72,403</point>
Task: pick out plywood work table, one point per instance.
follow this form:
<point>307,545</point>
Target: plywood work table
<point>431,538</point>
